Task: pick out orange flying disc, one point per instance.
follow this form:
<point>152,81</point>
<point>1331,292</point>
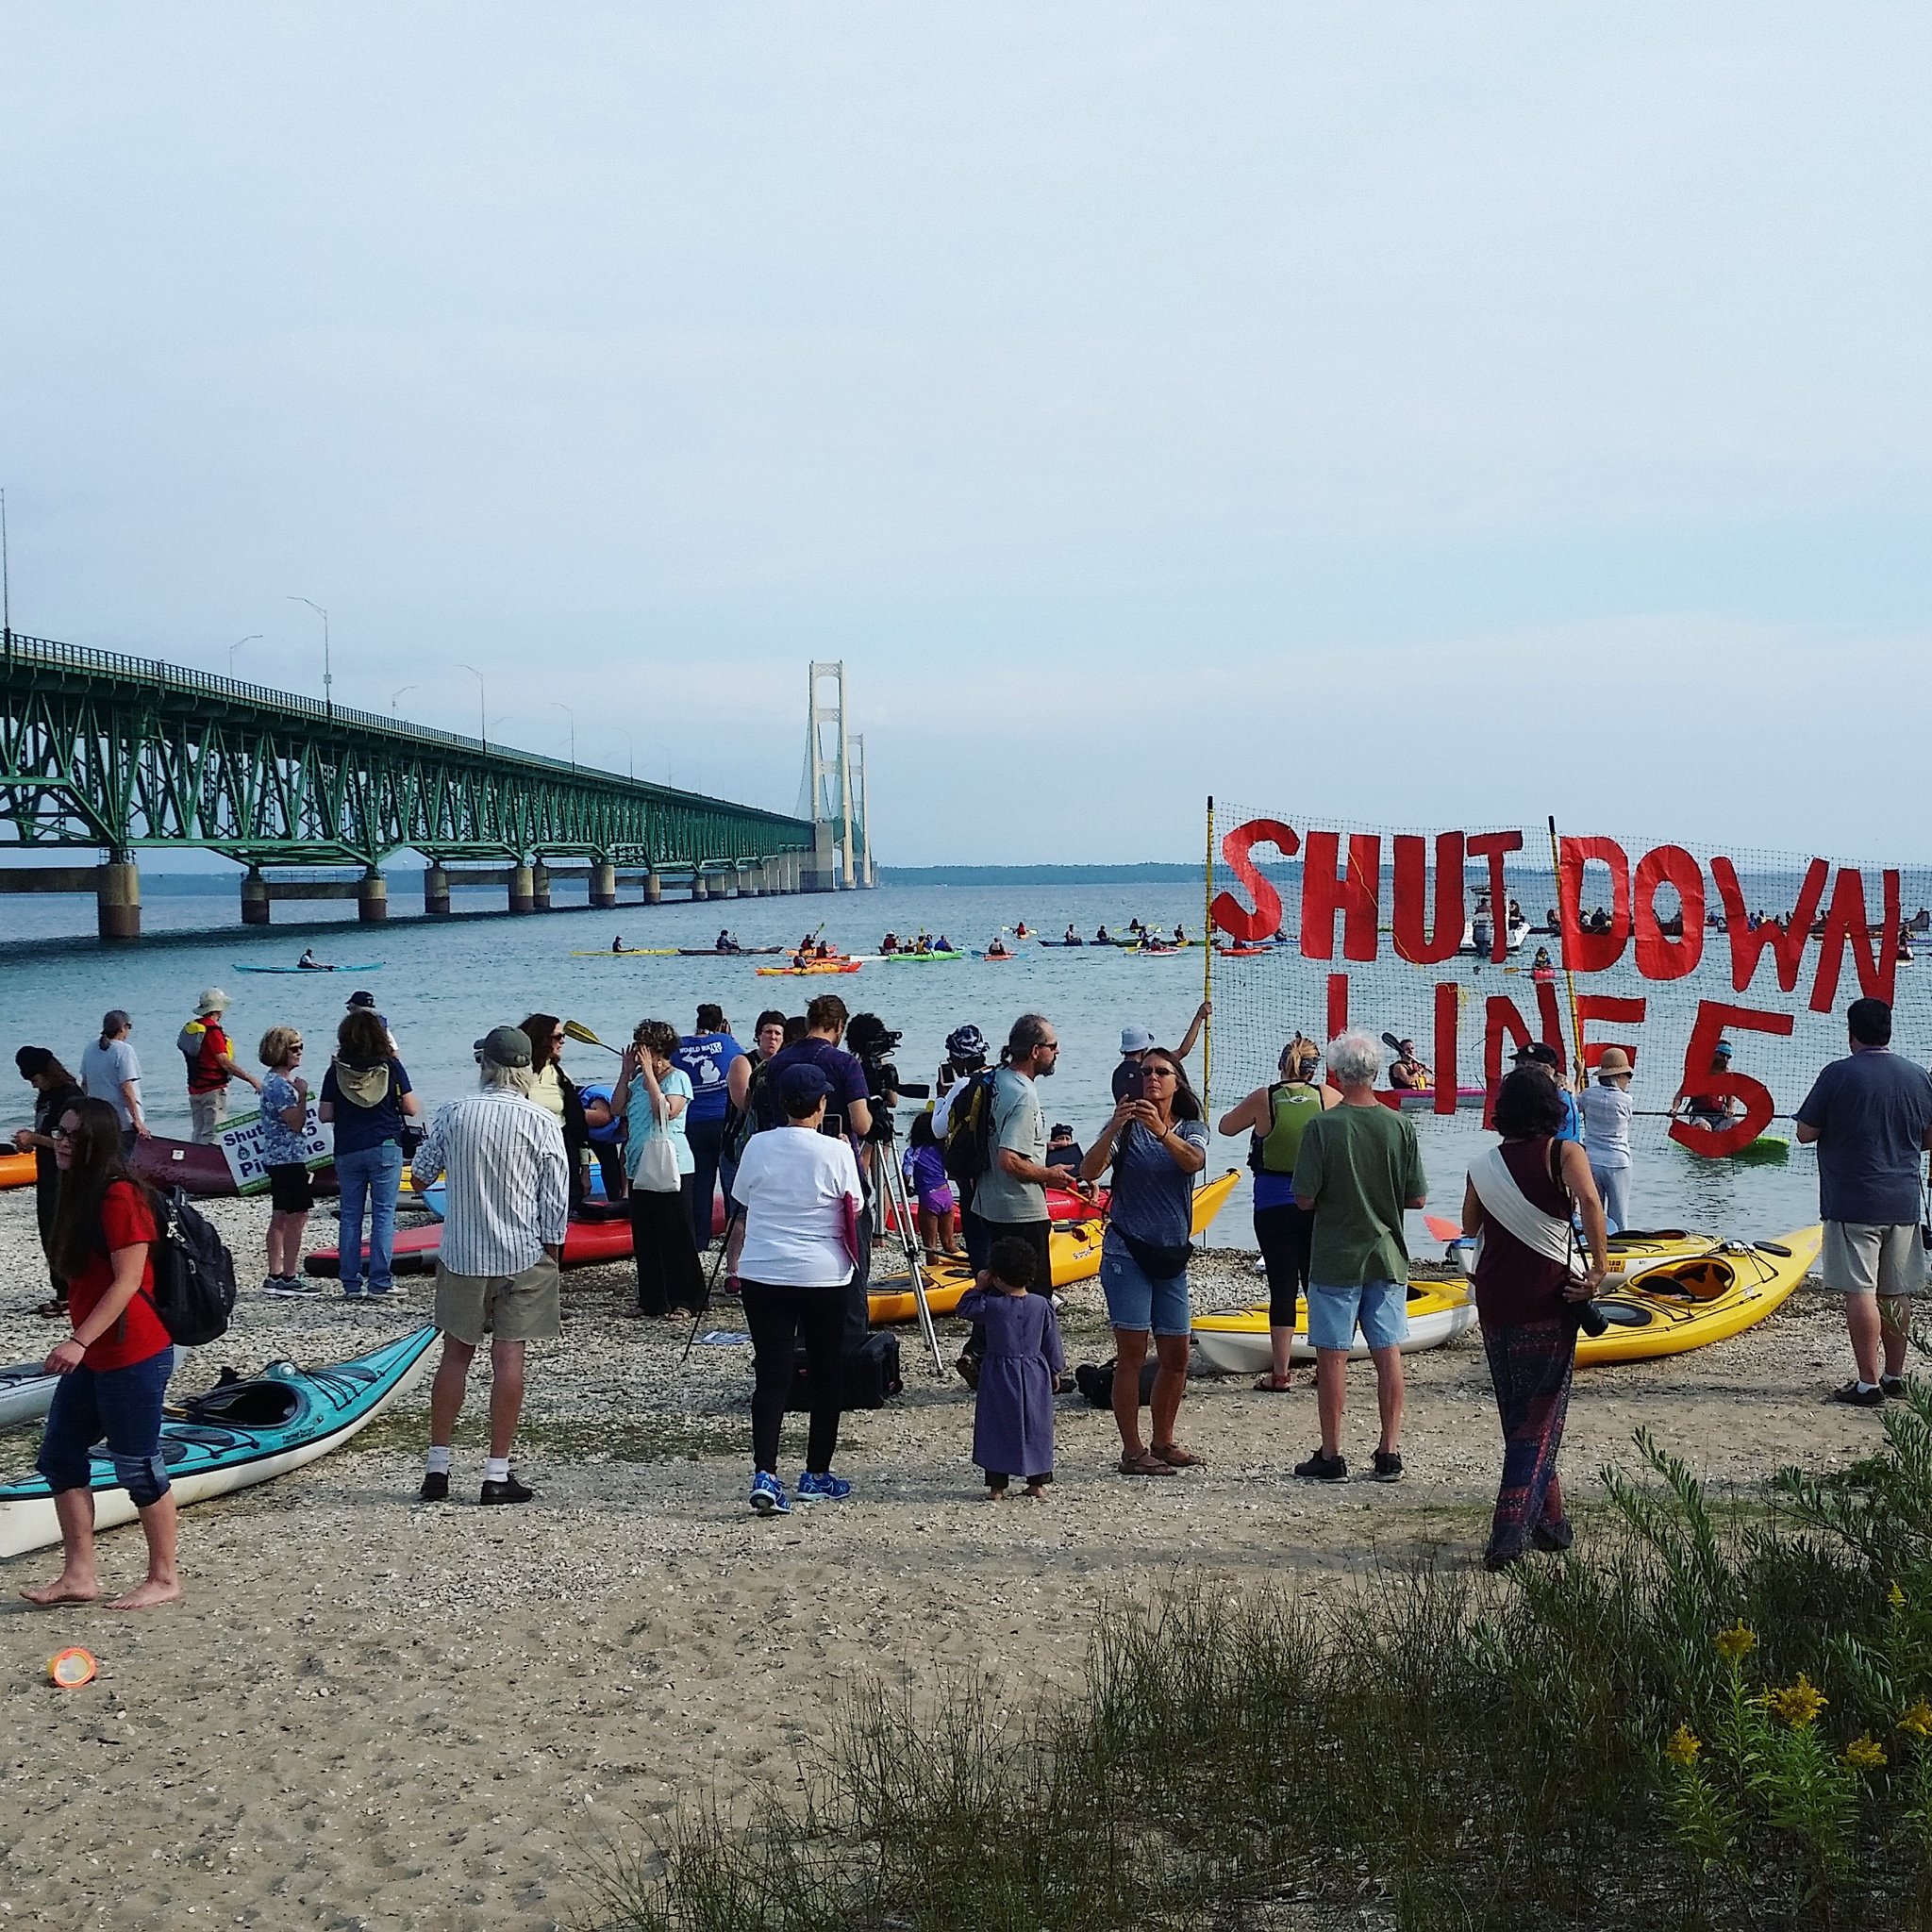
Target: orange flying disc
<point>72,1667</point>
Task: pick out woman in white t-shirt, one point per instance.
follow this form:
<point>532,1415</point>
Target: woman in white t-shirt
<point>1605,1104</point>
<point>652,1095</point>
<point>802,1202</point>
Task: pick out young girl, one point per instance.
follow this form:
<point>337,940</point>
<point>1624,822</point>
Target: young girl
<point>926,1180</point>
<point>1012,1423</point>
<point>291,1190</point>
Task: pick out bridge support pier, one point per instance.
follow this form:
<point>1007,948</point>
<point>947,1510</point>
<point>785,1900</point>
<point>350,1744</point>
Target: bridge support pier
<point>751,882</point>
<point>603,883</point>
<point>372,899</point>
<point>254,897</point>
<point>436,891</point>
<point>539,885</point>
<point>654,889</point>
<point>523,889</point>
<point>821,868</point>
<point>700,886</point>
<point>117,899</point>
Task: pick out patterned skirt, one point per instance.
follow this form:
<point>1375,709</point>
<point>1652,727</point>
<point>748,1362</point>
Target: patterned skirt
<point>1530,1365</point>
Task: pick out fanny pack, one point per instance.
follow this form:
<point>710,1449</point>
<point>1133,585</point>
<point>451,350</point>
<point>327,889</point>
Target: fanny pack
<point>1157,1260</point>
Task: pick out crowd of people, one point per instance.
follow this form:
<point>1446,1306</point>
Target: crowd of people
<point>779,1153</point>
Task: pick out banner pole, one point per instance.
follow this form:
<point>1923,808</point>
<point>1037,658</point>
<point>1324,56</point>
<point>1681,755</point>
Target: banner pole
<point>1577,1069</point>
<point>1207,963</point>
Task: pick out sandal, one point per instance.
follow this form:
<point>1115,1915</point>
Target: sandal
<point>1146,1464</point>
<point>1174,1456</point>
<point>1269,1386</point>
<point>52,1310</point>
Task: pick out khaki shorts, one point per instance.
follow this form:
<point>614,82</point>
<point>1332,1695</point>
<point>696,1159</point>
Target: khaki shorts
<point>207,1112</point>
<point>504,1307</point>
<point>1872,1258</point>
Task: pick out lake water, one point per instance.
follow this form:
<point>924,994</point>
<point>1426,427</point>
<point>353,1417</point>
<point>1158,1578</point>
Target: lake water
<point>443,984</point>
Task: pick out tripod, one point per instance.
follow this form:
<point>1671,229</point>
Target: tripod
<point>891,1204</point>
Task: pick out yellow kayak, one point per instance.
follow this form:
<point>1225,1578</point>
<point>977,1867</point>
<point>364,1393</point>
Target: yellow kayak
<point>1684,1303</point>
<point>1235,1342</point>
<point>1076,1246</point>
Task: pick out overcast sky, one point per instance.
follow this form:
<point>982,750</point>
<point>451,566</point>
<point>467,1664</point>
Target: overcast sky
<point>1433,414</point>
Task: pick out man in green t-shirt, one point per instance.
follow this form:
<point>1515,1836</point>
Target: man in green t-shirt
<point>1357,1170</point>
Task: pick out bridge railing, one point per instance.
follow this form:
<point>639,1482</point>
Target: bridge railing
<point>15,648</point>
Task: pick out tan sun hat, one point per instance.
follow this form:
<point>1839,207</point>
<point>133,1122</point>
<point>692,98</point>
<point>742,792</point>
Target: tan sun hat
<point>1615,1060</point>
<point>213,1000</point>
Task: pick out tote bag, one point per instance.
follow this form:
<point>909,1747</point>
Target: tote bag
<point>657,1170</point>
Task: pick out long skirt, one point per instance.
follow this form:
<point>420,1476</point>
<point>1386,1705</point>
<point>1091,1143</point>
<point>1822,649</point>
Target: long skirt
<point>669,1275</point>
<point>1530,1365</point>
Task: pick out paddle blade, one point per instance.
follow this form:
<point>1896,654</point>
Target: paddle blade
<point>575,1030</point>
<point>1442,1227</point>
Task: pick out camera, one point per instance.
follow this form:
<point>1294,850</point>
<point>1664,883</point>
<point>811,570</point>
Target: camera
<point>872,1043</point>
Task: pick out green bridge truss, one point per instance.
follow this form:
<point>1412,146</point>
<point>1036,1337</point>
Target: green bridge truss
<point>102,749</point>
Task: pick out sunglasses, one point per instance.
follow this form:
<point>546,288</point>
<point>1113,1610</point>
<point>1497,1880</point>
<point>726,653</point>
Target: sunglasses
<point>1157,1073</point>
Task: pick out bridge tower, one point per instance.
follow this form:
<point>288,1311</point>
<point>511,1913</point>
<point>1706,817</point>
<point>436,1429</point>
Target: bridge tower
<point>862,861</point>
<point>827,793</point>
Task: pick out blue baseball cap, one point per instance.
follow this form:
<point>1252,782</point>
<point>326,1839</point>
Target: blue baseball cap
<point>801,1087</point>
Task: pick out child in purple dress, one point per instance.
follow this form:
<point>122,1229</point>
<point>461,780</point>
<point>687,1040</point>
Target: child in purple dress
<point>1013,1425</point>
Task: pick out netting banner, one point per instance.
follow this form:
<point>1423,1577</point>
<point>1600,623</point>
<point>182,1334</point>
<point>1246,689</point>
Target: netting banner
<point>1723,975</point>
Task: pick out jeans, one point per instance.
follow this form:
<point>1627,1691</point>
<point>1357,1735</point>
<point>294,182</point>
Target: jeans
<point>707,1141</point>
<point>125,1406</point>
<point>374,1176</point>
<point>1613,1184</point>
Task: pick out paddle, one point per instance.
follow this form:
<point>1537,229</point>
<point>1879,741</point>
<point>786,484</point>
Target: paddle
<point>1442,1227</point>
<point>575,1030</point>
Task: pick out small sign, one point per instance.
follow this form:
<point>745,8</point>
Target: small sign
<point>723,1338</point>
<point>243,1139</point>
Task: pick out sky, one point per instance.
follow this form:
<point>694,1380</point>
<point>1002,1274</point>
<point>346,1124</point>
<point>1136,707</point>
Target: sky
<point>1421,414</point>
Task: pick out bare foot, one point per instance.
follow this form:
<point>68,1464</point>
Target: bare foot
<point>64,1589</point>
<point>146,1595</point>
<point>996,1495</point>
<point>1036,1492</point>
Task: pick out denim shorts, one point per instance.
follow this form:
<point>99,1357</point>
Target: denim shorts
<point>1380,1308</point>
<point>125,1406</point>
<point>1136,1300</point>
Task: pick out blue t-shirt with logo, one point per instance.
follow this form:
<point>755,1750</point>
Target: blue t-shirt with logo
<point>706,1058</point>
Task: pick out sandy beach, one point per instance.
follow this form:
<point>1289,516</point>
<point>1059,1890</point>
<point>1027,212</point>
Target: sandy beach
<point>373,1714</point>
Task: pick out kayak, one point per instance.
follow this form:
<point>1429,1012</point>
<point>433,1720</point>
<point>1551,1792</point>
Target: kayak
<point>1235,1342</point>
<point>586,1244</point>
<point>240,1433</point>
<point>1410,1099</point>
<point>723,952</point>
<point>1630,1253</point>
<point>368,966</point>
<point>995,959</point>
<point>917,959</point>
<point>188,1164</point>
<point>817,967</point>
<point>1766,1147</point>
<point>16,1169</point>
<point>25,1390</point>
<point>629,953</point>
<point>1688,1302</point>
<point>1243,952</point>
<point>1073,1245</point>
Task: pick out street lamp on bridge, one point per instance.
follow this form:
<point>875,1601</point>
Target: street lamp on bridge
<point>253,638</point>
<point>558,704</point>
<point>482,722</point>
<point>328,697</point>
<point>395,694</point>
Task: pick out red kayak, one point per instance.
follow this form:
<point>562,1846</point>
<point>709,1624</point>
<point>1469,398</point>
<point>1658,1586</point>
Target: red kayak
<point>586,1244</point>
<point>198,1169</point>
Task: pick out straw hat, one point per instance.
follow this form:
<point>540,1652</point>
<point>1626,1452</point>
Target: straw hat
<point>1615,1060</point>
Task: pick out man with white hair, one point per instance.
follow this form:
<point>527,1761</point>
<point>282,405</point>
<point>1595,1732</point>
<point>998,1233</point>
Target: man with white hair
<point>496,1271</point>
<point>1359,1168</point>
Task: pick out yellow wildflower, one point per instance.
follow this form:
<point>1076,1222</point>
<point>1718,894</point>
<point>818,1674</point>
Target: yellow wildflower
<point>1918,1720</point>
<point>1798,1704</point>
<point>1863,1754</point>
<point>1895,1597</point>
<point>1683,1748</point>
<point>1736,1642</point>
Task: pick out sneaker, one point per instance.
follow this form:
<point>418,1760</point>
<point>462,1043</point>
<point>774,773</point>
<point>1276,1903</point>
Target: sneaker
<point>768,1495</point>
<point>384,1294</point>
<point>290,1285</point>
<point>821,1489</point>
<point>1856,1397</point>
<point>1893,1388</point>
<point>1323,1469</point>
<point>1388,1466</point>
<point>435,1487</point>
<point>354,1295</point>
<point>270,1284</point>
<point>508,1490</point>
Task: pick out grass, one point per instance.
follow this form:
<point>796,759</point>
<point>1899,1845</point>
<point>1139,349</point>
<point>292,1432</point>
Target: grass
<point>1572,1749</point>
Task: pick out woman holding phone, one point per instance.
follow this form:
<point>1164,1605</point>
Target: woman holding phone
<point>1157,1143</point>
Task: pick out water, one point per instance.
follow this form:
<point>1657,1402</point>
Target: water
<point>443,985</point>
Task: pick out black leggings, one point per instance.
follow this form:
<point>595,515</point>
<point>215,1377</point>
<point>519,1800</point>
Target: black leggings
<point>669,1273</point>
<point>1285,1235</point>
<point>779,1318</point>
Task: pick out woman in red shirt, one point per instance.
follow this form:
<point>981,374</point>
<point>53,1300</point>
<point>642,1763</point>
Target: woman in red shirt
<point>113,1368</point>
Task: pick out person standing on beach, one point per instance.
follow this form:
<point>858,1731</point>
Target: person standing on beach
<point>113,1368</point>
<point>507,1211</point>
<point>1359,1168</point>
<point>55,1091</point>
<point>285,1154</point>
<point>110,1070</point>
<point>1870,1116</point>
<point>1009,1198</point>
<point>707,1058</point>
<point>210,1065</point>
<point>366,1096</point>
<point>1605,1105</point>
<point>1012,1413</point>
<point>1542,1055</point>
<point>653,1095</point>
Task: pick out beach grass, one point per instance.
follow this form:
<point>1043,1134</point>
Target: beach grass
<point>1706,1719</point>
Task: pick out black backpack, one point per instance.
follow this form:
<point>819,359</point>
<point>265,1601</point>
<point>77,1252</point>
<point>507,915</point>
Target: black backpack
<point>194,1275</point>
<point>967,1152</point>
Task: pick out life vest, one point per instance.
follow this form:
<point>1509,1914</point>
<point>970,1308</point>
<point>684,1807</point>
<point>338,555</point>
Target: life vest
<point>1292,1106</point>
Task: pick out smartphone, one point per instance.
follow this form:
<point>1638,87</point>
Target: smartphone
<point>1133,1082</point>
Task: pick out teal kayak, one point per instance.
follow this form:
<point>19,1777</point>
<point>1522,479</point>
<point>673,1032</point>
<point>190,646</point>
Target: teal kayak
<point>367,966</point>
<point>240,1433</point>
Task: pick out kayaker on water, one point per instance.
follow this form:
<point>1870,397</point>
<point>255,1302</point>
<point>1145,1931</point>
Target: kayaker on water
<point>1700,1103</point>
<point>1072,938</point>
<point>999,950</point>
<point>617,944</point>
<point>1406,1072</point>
<point>1101,937</point>
<point>308,962</point>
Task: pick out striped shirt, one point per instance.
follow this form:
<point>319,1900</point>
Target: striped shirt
<point>508,1193</point>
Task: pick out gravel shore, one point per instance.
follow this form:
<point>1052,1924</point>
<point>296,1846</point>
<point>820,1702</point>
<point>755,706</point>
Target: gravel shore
<point>373,1714</point>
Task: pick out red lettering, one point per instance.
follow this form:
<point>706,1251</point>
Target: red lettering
<point>1551,1017</point>
<point>1414,939</point>
<point>1500,1016</point>
<point>1786,940</point>
<point>1227,911</point>
<point>1845,923</point>
<point>1338,1005</point>
<point>1661,954</point>
<point>1448,1010</point>
<point>1592,952</point>
<point>1325,891</point>
<point>1714,1019</point>
<point>1492,846</point>
<point>1603,1006</point>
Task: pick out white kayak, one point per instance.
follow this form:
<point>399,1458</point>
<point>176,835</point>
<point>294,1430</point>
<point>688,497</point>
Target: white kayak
<point>1235,1341</point>
<point>25,1390</point>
